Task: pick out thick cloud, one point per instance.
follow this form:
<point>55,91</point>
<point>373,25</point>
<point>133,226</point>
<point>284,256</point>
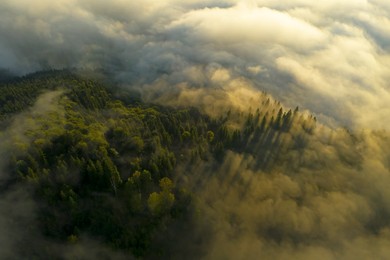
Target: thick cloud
<point>300,46</point>
<point>330,57</point>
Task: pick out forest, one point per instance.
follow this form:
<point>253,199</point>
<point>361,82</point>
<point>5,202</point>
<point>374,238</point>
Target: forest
<point>133,175</point>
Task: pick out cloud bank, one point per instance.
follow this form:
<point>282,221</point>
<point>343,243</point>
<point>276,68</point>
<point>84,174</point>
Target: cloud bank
<point>331,58</point>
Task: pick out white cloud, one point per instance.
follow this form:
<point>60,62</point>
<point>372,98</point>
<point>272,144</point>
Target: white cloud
<point>259,26</point>
<point>327,56</point>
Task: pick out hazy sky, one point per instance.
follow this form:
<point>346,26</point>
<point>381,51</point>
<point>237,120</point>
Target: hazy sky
<point>330,57</point>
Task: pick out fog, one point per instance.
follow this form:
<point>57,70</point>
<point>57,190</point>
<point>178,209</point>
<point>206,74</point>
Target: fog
<point>326,200</point>
<point>330,58</point>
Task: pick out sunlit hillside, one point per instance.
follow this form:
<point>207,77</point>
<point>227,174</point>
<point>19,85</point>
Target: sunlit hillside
<point>125,178</point>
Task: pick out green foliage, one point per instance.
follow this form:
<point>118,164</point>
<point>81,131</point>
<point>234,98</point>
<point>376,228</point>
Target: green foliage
<point>162,202</point>
<point>210,136</point>
<point>166,184</point>
<point>105,166</point>
<point>96,161</point>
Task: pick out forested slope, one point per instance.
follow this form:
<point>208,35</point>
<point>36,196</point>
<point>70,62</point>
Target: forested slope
<point>119,170</point>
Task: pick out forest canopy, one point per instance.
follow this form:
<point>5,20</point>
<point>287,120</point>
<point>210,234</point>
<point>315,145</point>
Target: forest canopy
<point>171,182</point>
